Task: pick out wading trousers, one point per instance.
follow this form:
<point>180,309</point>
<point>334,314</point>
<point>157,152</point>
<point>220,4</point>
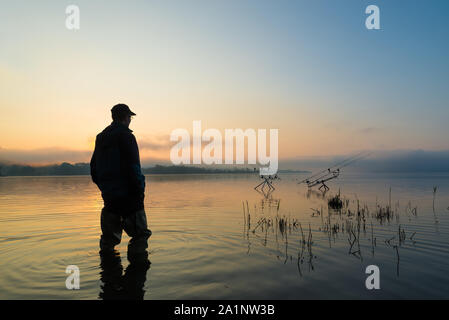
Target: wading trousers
<point>134,224</point>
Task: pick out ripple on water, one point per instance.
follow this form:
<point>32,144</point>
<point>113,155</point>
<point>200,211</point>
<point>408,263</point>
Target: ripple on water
<point>199,248</point>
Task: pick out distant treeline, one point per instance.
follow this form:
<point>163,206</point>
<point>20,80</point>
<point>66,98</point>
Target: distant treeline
<point>68,169</point>
<point>63,169</point>
<point>188,169</point>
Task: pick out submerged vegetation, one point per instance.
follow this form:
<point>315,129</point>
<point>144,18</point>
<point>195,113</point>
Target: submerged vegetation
<point>359,222</point>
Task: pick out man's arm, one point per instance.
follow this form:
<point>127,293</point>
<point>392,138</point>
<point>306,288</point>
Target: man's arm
<point>93,167</point>
<point>134,171</point>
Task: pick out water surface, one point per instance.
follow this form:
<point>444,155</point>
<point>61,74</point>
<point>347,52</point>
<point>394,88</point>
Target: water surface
<point>203,248</point>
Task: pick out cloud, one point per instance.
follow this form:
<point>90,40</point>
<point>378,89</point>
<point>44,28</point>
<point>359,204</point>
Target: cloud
<point>407,161</point>
<point>155,143</point>
<point>53,155</point>
<point>369,130</point>
<point>379,161</point>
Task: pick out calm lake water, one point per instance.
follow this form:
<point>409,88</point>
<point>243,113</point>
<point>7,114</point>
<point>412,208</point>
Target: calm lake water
<point>202,247</point>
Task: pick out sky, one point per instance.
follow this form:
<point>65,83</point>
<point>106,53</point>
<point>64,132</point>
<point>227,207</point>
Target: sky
<point>308,68</point>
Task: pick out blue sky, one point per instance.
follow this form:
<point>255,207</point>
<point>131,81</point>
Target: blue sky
<point>309,68</point>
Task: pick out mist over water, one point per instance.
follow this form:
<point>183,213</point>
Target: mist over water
<point>204,246</point>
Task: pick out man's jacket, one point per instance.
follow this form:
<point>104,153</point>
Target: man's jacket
<point>115,169</point>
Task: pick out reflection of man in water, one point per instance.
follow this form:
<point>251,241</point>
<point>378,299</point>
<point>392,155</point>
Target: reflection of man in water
<point>117,285</point>
<point>115,168</point>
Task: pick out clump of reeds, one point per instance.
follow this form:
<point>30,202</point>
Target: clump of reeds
<point>335,202</point>
<point>401,235</point>
<point>383,213</point>
<point>246,217</point>
<point>287,224</point>
<point>282,225</point>
<point>315,212</point>
<point>434,195</point>
<point>411,210</point>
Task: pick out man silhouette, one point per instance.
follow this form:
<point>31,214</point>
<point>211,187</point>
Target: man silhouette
<point>115,169</point>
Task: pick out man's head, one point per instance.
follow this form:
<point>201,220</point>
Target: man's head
<point>121,113</point>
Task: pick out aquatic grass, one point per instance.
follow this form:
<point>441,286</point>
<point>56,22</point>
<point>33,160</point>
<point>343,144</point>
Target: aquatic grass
<point>401,235</point>
<point>351,219</point>
<point>433,204</point>
<point>335,202</point>
<point>434,195</point>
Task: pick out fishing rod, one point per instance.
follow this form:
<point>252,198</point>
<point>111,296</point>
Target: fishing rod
<point>328,174</point>
<point>328,170</point>
<point>364,155</point>
<point>335,174</point>
<point>336,166</point>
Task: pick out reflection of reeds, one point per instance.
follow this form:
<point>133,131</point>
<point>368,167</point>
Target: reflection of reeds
<point>411,210</point>
<point>244,217</point>
<point>283,224</point>
<point>397,261</point>
<point>373,240</point>
<point>387,242</point>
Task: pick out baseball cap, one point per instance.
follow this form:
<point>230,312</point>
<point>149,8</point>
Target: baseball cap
<point>122,109</point>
